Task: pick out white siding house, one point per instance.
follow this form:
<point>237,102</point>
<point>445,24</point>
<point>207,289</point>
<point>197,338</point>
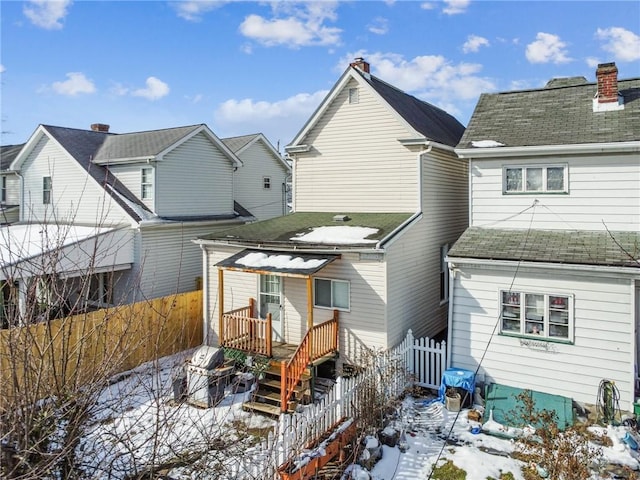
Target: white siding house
<point>165,187</point>
<point>377,192</point>
<point>546,280</point>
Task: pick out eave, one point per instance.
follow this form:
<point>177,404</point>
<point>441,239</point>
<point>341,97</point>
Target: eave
<point>547,150</point>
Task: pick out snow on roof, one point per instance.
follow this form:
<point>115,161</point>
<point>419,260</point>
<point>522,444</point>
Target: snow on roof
<point>486,143</point>
<point>257,259</point>
<point>19,242</point>
<point>337,235</point>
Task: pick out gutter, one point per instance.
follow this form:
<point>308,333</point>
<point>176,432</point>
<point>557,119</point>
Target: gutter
<point>497,152</point>
<point>633,272</point>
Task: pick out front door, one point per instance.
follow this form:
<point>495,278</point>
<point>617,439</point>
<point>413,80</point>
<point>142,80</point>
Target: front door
<point>271,302</point>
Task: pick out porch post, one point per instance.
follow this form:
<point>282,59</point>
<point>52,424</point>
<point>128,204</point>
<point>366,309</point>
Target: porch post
<point>310,316</point>
<point>220,306</point>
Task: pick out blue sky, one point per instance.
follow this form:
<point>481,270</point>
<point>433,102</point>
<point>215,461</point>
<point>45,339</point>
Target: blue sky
<point>249,67</point>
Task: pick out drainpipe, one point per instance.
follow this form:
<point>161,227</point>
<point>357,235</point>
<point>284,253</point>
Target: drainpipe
<point>205,295</point>
<point>452,289</point>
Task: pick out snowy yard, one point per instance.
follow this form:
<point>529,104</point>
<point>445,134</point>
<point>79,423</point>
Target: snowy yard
<point>137,425</point>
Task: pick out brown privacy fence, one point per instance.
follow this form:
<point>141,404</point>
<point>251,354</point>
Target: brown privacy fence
<point>61,356</point>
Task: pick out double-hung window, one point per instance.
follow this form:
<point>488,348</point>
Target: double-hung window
<point>331,293</point>
<point>538,179</point>
<point>46,190</point>
<point>3,197</point>
<point>266,183</point>
<point>536,314</point>
<point>146,183</point>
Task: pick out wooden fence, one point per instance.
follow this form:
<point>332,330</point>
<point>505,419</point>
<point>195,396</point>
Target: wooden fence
<point>59,356</point>
<point>412,362</point>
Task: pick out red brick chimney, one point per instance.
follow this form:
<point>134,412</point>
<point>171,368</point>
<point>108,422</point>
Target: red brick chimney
<point>100,127</point>
<point>607,76</point>
<point>361,64</point>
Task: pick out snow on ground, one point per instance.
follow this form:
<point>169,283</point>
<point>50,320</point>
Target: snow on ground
<point>137,424</point>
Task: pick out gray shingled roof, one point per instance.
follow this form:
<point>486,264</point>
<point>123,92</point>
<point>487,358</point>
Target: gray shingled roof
<point>140,144</point>
<point>601,248</point>
<point>236,143</point>
<point>279,231</point>
<point>559,114</point>
<point>432,122</point>
<point>82,145</point>
<point>7,154</point>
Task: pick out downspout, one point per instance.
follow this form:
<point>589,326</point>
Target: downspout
<point>380,245</point>
<point>205,295</point>
<point>21,195</point>
<point>452,289</point>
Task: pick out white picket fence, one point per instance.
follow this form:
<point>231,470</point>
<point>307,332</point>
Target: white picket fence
<point>418,362</point>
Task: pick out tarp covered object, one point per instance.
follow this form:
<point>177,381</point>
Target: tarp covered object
<point>506,406</point>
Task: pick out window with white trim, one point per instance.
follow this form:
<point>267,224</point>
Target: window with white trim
<point>444,274</point>
<point>146,183</point>
<point>266,183</point>
<point>537,315</point>
<point>46,190</point>
<point>331,293</point>
<point>538,179</point>
<point>353,95</point>
<point>3,197</point>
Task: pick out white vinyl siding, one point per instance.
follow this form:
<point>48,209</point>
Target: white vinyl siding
<point>603,325</point>
<point>356,162</point>
<point>602,191</point>
<point>80,201</point>
<point>194,179</point>
<point>249,182</point>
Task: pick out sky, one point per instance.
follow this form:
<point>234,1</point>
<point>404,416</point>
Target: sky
<point>264,67</point>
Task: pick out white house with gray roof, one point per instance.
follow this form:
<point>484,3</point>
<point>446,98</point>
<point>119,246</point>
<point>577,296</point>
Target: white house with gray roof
<point>545,283</point>
<point>163,188</point>
<point>378,195</point>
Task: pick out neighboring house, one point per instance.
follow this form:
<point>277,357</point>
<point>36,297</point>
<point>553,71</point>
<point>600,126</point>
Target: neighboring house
<point>546,280</point>
<point>132,203</point>
<point>9,185</point>
<point>378,195</point>
<point>260,186</point>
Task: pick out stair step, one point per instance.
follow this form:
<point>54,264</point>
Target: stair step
<point>275,385</point>
<point>275,371</point>
<point>269,395</point>
<point>267,408</point>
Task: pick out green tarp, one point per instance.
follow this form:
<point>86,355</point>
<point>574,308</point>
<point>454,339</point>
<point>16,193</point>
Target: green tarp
<point>506,406</point>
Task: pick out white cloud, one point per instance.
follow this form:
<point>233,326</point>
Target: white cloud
<point>155,89</point>
<point>547,48</point>
<point>2,69</point>
<point>282,118</point>
<point>428,76</point>
<point>473,43</point>
<point>47,14</point>
<point>379,26</point>
<point>455,6</point>
<point>427,5</point>
<point>75,84</point>
<point>592,62</point>
<point>623,44</point>
<point>294,25</point>
<point>195,9</point>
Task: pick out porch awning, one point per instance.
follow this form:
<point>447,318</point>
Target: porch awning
<point>291,264</point>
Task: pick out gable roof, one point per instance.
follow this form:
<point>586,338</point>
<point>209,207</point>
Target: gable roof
<point>239,144</point>
<point>8,153</point>
<point>595,248</point>
<point>559,114</point>
<point>281,232</point>
<point>425,119</point>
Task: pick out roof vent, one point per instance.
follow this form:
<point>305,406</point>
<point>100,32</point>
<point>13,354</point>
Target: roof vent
<point>341,218</point>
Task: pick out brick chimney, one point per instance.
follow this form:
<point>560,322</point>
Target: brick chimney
<point>607,76</point>
<point>100,127</point>
<point>361,64</point>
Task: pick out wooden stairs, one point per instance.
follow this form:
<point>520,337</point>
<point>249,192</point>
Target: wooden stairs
<point>266,396</point>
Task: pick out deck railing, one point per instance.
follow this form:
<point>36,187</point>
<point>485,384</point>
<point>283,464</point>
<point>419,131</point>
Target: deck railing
<point>240,330</point>
<point>324,338</point>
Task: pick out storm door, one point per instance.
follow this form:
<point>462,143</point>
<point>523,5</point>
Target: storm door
<point>271,302</point>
